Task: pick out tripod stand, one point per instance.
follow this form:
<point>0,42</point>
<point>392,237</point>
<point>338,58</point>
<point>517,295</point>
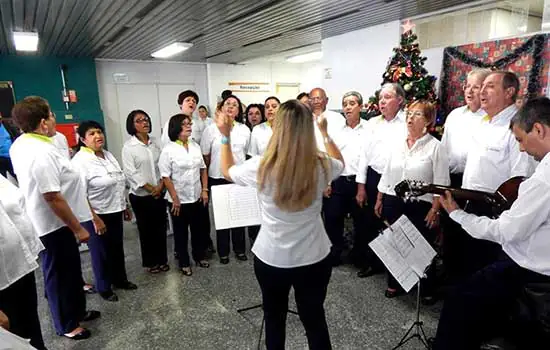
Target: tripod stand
<point>258,306</point>
<point>416,330</point>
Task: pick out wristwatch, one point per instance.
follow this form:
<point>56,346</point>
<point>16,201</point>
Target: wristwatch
<point>225,140</point>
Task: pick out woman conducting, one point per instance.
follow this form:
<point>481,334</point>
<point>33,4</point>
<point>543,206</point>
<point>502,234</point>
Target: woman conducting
<point>56,205</point>
<point>140,156</point>
<point>292,248</point>
<point>184,174</point>
<point>418,157</point>
<point>105,185</point>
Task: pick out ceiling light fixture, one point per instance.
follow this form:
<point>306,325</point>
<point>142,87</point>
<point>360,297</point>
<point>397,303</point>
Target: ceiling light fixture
<point>312,56</point>
<point>171,50</point>
<point>25,41</point>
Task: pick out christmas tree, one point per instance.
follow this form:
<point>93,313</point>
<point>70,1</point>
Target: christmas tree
<point>406,68</point>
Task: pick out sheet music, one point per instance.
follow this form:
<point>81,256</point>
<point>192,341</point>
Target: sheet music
<point>394,261</point>
<point>235,206</point>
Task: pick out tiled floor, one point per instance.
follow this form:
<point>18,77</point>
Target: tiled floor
<point>171,311</point>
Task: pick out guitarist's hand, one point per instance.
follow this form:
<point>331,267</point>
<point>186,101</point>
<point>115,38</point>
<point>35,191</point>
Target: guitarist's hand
<point>448,202</point>
<point>432,219</point>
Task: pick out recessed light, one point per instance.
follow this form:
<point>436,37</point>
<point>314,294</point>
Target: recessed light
<point>171,50</point>
<point>25,41</point>
<point>312,56</point>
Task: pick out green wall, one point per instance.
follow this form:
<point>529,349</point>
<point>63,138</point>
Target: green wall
<point>41,76</point>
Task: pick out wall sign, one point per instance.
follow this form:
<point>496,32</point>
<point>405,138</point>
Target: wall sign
<point>248,87</point>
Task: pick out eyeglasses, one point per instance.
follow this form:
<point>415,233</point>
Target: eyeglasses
<point>186,123</point>
<point>415,114</point>
<point>473,87</point>
<point>141,120</point>
<point>315,99</point>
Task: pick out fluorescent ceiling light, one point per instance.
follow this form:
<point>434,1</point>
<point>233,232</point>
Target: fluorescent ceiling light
<point>25,41</point>
<point>171,50</point>
<point>312,56</point>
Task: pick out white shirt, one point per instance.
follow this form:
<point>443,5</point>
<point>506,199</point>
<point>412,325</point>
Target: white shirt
<point>380,138</point>
<point>164,138</point>
<point>211,143</point>
<point>524,230</point>
<point>261,134</point>
<point>457,137</point>
<point>139,162</point>
<point>335,121</point>
<point>183,167</point>
<point>60,142</point>
<point>199,125</point>
<point>494,155</point>
<point>425,161</point>
<point>288,239</point>
<point>20,244</point>
<point>40,169</point>
<point>349,141</point>
<point>104,180</point>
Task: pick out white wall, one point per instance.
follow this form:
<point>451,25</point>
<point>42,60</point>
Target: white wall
<point>151,86</point>
<point>357,60</point>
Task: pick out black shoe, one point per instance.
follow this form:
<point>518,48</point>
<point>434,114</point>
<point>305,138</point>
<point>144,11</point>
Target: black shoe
<point>109,295</point>
<point>366,272</point>
<point>428,300</point>
<point>91,315</point>
<point>83,334</point>
<point>126,285</point>
<point>224,260</point>
<point>241,257</point>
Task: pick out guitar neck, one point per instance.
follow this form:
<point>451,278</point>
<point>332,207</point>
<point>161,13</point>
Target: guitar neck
<point>461,193</point>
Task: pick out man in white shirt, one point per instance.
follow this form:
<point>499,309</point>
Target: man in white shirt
<point>461,122</point>
<point>341,193</point>
<point>383,133</point>
<point>493,158</point>
<point>485,299</point>
<point>318,101</point>
<point>187,100</point>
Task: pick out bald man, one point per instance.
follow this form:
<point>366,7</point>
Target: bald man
<point>318,101</point>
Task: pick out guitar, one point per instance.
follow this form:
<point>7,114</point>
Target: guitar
<point>499,201</point>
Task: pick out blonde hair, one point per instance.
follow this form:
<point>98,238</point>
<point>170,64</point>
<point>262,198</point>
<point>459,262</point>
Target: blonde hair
<point>428,109</point>
<point>290,162</point>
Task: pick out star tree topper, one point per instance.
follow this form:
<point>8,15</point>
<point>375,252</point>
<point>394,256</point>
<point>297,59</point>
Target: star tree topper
<point>408,25</point>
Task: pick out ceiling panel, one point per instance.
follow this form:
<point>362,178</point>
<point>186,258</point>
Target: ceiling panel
<point>227,31</point>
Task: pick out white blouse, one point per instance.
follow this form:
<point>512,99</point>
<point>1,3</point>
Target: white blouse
<point>261,134</point>
<point>425,161</point>
<point>183,167</point>
<point>40,169</point>
<point>211,143</point>
<point>103,179</point>
<point>19,244</point>
<point>288,239</point>
<point>140,164</point>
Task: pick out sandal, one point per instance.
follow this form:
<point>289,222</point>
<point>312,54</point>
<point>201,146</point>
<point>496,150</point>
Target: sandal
<point>154,269</point>
<point>164,267</point>
<point>186,271</point>
<point>203,263</point>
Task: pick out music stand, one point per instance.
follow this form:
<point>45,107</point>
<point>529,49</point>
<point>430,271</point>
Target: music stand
<point>258,306</point>
<point>416,330</point>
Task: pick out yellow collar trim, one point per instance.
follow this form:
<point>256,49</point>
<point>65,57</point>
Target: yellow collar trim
<point>181,143</point>
<point>486,118</point>
<point>39,137</point>
<point>268,123</point>
<point>87,149</point>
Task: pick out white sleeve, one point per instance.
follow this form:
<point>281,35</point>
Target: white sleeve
<point>165,166</point>
<point>164,138</point>
<point>361,176</point>
<point>253,146</point>
<point>245,174</point>
<point>247,144</point>
<point>526,215</point>
<point>440,163</point>
<point>46,172</point>
<point>385,178</point>
<point>79,165</point>
<point>134,178</point>
<point>206,141</point>
<point>336,167</point>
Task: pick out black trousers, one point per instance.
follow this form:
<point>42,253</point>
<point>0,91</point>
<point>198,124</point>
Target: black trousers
<point>481,304</point>
<point>151,222</point>
<point>107,253</point>
<point>6,167</point>
<point>310,289</point>
<point>253,233</point>
<point>204,214</point>
<point>341,203</point>
<point>19,303</point>
<point>371,225</point>
<point>392,208</point>
<point>223,238</point>
<point>63,279</point>
<point>189,220</point>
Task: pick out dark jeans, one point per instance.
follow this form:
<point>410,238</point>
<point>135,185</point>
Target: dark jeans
<point>151,222</point>
<point>63,279</point>
<point>107,253</point>
<point>310,284</point>
<point>481,304</point>
<point>223,237</point>
<point>341,203</point>
<point>19,303</point>
<point>6,167</point>
<point>392,208</point>
<point>188,220</point>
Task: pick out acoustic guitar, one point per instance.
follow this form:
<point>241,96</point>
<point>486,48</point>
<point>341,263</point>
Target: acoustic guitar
<point>499,201</point>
